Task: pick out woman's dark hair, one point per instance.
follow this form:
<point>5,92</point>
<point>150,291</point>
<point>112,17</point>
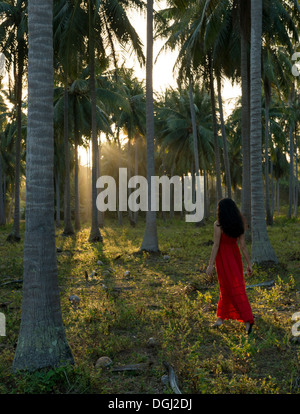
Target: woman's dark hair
<point>230,218</point>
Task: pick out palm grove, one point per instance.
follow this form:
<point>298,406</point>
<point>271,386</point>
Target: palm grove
<point>65,85</point>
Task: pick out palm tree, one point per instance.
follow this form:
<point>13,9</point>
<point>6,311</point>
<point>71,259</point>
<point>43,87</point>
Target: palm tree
<point>67,41</point>
<point>106,20</point>
<point>42,342</point>
<point>262,250</point>
<point>131,117</point>
<point>14,46</point>
<point>224,139</point>
<point>58,170</point>
<point>5,154</point>
<point>291,152</point>
<point>244,20</point>
<point>68,226</point>
<point>150,240</point>
<point>175,132</point>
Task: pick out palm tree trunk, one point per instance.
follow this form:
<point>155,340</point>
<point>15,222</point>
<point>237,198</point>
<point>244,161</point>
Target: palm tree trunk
<point>296,177</point>
<point>225,149</point>
<point>136,168</point>
<point>291,180</point>
<point>4,196</point>
<point>57,190</point>
<point>277,194</point>
<point>99,213</point>
<point>195,140</point>
<point>172,194</point>
<point>246,183</point>
<point>129,174</point>
<point>2,211</point>
<point>95,234</point>
<point>267,90</point>
<point>76,183</point>
<point>15,234</point>
<point>68,226</point>
<point>206,207</point>
<point>150,240</point>
<point>272,188</point>
<point>215,130</point>
<point>120,214</point>
<point>194,128</point>
<point>76,172</point>
<point>262,250</point>
<point>42,342</point>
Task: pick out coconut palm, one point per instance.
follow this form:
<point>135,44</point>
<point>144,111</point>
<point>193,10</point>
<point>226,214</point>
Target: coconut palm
<point>131,118</point>
<point>262,250</point>
<point>182,16</point>
<point>42,342</point>
<point>175,133</point>
<point>150,239</point>
<point>13,44</point>
<point>109,19</point>
<point>68,42</point>
<point>6,157</point>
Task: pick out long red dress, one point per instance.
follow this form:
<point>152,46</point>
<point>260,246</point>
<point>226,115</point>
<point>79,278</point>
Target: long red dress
<point>233,302</point>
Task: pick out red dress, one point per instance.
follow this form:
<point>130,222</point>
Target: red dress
<point>233,302</point>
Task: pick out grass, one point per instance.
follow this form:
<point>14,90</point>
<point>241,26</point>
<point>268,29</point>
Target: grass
<point>168,300</point>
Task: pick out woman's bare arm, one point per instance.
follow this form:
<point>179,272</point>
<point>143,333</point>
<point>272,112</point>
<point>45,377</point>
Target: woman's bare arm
<point>215,248</point>
<point>245,252</point>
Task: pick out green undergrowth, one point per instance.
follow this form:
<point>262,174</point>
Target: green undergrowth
<point>166,297</point>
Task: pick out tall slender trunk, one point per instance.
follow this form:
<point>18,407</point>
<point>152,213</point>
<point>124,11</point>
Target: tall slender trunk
<point>129,174</point>
<point>207,196</point>
<point>136,168</point>
<point>267,90</point>
<point>277,194</point>
<point>76,183</point>
<point>245,121</point>
<point>262,250</point>
<point>194,128</point>
<point>15,234</point>
<point>206,208</point>
<point>296,177</point>
<point>2,211</point>
<point>100,213</point>
<point>4,196</point>
<point>172,194</point>
<point>224,139</point>
<point>42,342</point>
<point>95,234</point>
<point>76,172</point>
<point>150,240</point>
<point>272,187</point>
<point>291,179</point>
<point>120,214</point>
<point>195,140</point>
<point>68,226</point>
<point>291,139</point>
<point>215,131</point>
<point>57,191</point>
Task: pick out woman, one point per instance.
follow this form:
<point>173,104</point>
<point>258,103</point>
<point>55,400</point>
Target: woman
<point>228,229</point>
